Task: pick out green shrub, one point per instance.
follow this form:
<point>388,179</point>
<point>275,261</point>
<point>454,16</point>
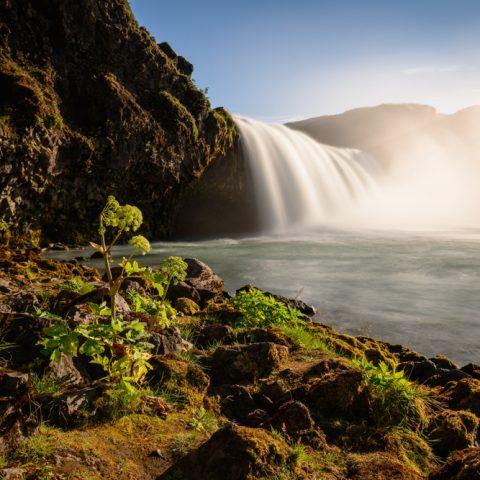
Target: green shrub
<point>395,401</point>
<point>259,310</point>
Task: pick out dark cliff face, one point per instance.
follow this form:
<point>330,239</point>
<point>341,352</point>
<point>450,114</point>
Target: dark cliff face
<point>91,105</point>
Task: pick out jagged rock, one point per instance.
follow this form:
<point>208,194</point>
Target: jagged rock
<point>212,333</point>
<point>234,364</point>
<point>68,373</point>
<point>452,430</point>
<point>184,65</point>
<point>462,395</point>
<point>179,377</point>
<point>203,279</point>
<point>462,465</point>
<point>169,341</point>
<point>233,452</point>
<point>186,306</point>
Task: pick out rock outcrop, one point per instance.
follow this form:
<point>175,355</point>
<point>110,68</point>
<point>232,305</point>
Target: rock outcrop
<point>91,105</point>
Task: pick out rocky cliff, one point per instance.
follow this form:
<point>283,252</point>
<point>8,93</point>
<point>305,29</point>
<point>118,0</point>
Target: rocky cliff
<point>91,105</point>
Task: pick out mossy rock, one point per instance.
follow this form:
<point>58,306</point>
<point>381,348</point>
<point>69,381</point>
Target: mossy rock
<point>235,453</point>
<point>462,465</point>
<point>181,379</point>
<point>186,306</point>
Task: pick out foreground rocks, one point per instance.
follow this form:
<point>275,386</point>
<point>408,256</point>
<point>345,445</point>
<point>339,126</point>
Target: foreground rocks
<point>220,400</point>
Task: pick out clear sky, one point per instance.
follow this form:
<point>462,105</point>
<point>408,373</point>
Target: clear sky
<point>290,59</point>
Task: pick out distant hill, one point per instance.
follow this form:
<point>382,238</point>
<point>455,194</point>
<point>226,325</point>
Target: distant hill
<point>387,130</point>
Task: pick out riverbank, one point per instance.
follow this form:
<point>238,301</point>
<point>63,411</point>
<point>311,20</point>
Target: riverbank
<point>238,388</point>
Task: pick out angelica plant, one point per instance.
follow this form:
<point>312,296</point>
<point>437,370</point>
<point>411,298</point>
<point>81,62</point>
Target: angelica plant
<point>115,220</point>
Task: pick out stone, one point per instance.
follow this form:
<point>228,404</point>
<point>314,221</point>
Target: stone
<point>461,395</point>
<point>462,465</point>
<point>451,430</point>
<point>182,290</point>
<point>234,453</point>
<point>234,364</point>
<point>443,362</point>
<point>236,402</point>
<point>168,341</point>
<point>186,306</point>
<point>444,375</point>
<point>203,279</point>
<point>272,335</point>
<point>79,315</point>
<point>472,369</point>
<point>184,66</point>
<point>102,294</point>
<point>418,371</point>
<point>213,333</point>
<point>291,418</point>
<point>67,372</point>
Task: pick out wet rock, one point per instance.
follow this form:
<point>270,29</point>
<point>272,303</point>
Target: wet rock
<point>418,371</point>
<point>451,430</point>
<point>234,364</point>
<point>443,362</point>
<point>462,465</point>
<point>179,378</point>
<point>169,341</point>
<point>233,452</point>
<point>461,395</point>
<point>212,333</point>
<point>186,306</point>
<point>182,290</point>
<point>472,369</point>
<point>339,393</point>
<point>379,466</point>
<point>201,276</point>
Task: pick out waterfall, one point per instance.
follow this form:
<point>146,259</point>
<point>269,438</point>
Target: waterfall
<point>300,183</point>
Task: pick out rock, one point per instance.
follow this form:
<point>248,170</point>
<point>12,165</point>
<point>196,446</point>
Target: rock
<point>418,371</point>
<point>169,341</point>
<point>186,306</point>
<point>76,407</point>
<point>154,405</point>
<point>462,465</point>
<point>213,333</point>
<point>472,369</point>
<point>234,364</point>
<point>271,335</point>
<point>379,466</point>
<point>133,285</point>
<point>443,362</point>
<point>79,315</point>
<point>236,402</point>
<point>182,290</point>
<point>329,365</point>
<point>102,294</point>
<point>461,395</point>
<point>184,66</point>
<point>234,453</point>
<point>443,376</point>
<point>67,372</point>
<point>452,430</point>
<point>203,279</point>
<point>292,417</point>
<point>179,377</point>
<point>167,50</point>
<point>340,393</point>
<point>256,419</point>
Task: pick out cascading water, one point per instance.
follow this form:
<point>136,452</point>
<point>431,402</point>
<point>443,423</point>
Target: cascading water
<point>300,183</point>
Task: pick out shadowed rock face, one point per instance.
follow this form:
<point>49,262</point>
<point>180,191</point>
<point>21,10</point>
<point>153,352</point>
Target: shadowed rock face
<point>91,105</point>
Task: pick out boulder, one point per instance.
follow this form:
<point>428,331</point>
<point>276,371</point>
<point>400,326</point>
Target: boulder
<point>461,395</point>
<point>236,402</point>
<point>418,371</point>
<point>184,66</point>
<point>182,290</point>
<point>179,378</point>
<point>443,362</point>
<point>444,375</point>
<point>168,341</point>
<point>291,418</point>
<point>234,453</point>
<point>462,465</point>
<point>203,279</point>
<point>69,372</point>
<point>270,334</point>
<point>186,306</point>
<point>340,393</point>
<point>472,369</point>
<point>451,430</point>
<point>213,333</point>
<point>246,363</point>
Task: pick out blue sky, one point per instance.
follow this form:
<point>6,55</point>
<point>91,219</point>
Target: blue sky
<point>284,59</point>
